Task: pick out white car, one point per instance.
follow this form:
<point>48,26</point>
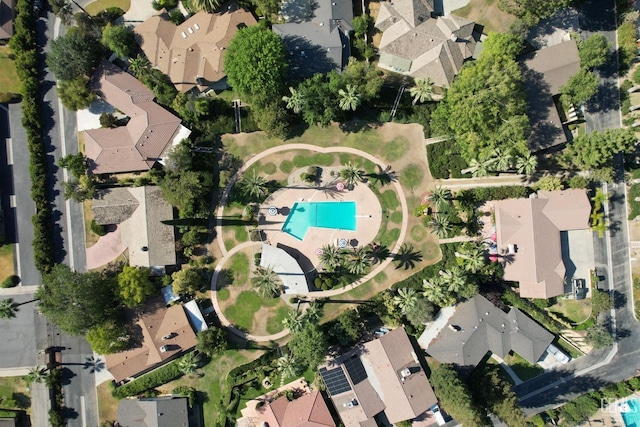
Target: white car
<point>558,354</point>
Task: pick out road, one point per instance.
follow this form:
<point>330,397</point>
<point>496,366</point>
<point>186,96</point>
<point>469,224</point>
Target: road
<point>603,111</point>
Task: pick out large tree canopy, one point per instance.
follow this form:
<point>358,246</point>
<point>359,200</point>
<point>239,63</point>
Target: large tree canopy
<point>596,149</point>
<point>119,39</point>
<point>134,286</point>
<point>76,94</point>
<point>594,51</point>
<point>73,55</point>
<point>455,397</point>
<point>76,302</point>
<point>256,62</point>
<point>580,87</point>
<point>485,109</point>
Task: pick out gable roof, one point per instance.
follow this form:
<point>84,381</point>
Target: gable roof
<point>320,43</point>
<point>192,53</point>
<point>415,44</point>
<point>158,412</point>
<point>309,410</point>
<point>150,132</point>
<point>153,321</point>
<point>476,327</point>
<point>6,18</point>
<point>386,375</point>
<point>546,71</point>
<point>528,232</point>
<point>141,212</point>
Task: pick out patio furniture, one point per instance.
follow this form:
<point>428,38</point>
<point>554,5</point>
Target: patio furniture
<point>340,186</point>
<point>273,211</point>
<point>342,243</point>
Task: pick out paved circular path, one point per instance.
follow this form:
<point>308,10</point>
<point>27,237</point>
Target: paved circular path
<point>314,295</point>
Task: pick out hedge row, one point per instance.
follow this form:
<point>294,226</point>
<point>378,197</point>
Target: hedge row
<point>445,160</point>
<point>23,44</point>
<point>153,379</point>
<point>539,315</point>
<point>481,194</point>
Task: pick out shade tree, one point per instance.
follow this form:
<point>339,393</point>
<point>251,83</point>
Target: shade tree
<point>212,341</point>
<point>309,345</point>
<point>594,51</point>
<point>119,39</point>
<point>579,88</point>
<point>134,285</point>
<point>108,337</point>
<point>455,397</point>
<point>73,55</point>
<point>596,149</point>
<point>76,94</point>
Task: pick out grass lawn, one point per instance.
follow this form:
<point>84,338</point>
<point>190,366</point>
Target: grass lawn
<point>246,305</point>
<point>100,5</point>
<point>91,238</point>
<point>563,345</point>
<point>576,311</point>
<point>523,369</point>
<point>6,261</point>
<point>107,404</point>
<point>8,76</point>
<point>14,393</point>
<point>486,13</point>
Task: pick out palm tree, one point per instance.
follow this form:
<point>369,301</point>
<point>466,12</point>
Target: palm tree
<point>422,90</point>
<point>440,196</point>
<point>8,308</point>
<point>205,5</point>
<point>440,225</point>
<point>139,65</point>
<point>378,253</point>
<point>352,174</point>
<point>358,261</point>
<point>473,258</point>
<point>288,367</point>
<point>313,313</point>
<point>266,283</point>
<point>189,363</point>
<point>435,292</point>
<point>253,186</point>
<point>294,321</point>
<point>36,375</point>
<point>479,168</point>
<point>331,257</point>
<point>503,159</point>
<point>527,164</point>
<point>406,299</point>
<point>349,99</point>
<point>295,101</point>
<point>599,199</point>
<point>454,278</point>
<point>407,257</point>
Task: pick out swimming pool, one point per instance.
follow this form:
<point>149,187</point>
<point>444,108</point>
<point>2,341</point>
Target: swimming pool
<point>631,417</point>
<point>336,215</point>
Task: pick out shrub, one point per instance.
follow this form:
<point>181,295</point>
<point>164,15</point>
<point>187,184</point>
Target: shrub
<point>153,379</point>
<point>164,4</point>
<point>627,44</point>
<point>578,181</point>
<point>539,315</point>
<point>445,160</point>
<point>10,282</point>
<point>176,17</point>
<point>98,229</point>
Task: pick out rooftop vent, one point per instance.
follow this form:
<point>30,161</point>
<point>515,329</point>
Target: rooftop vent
<point>405,373</point>
<point>190,30</point>
<point>184,35</point>
<point>196,26</point>
<point>164,349</point>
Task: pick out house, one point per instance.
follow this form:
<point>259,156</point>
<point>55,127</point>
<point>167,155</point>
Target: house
<point>464,334</point>
<point>529,238</point>
<point>141,213</point>
<point>316,35</point>
<point>383,379</point>
<point>6,18</point>
<point>156,412</point>
<point>147,137</point>
<point>192,53</point>
<point>417,43</point>
<point>309,410</point>
<point>286,267</point>
<point>160,334</point>
<point>545,72</point>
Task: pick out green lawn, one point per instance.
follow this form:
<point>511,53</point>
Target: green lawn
<point>244,309</point>
<point>6,261</point>
<point>240,267</point>
<point>100,5</point>
<point>576,311</point>
<point>8,76</point>
<point>563,345</point>
<point>523,369</point>
<point>14,393</point>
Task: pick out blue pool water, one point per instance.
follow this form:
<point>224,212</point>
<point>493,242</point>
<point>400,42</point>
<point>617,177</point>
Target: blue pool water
<point>336,215</point>
<point>632,418</point>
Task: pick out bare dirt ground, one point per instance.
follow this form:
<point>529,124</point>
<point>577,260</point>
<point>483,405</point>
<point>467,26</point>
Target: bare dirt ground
<point>486,13</point>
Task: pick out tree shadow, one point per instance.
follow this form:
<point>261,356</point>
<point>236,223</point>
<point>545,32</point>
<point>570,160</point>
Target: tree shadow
<point>384,176</point>
<point>606,99</point>
<point>619,299</point>
<point>407,257</point>
<point>67,375</point>
<point>69,413</point>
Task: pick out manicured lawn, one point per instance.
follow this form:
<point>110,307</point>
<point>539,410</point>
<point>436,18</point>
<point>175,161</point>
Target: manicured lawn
<point>6,261</point>
<point>239,265</point>
<point>390,199</point>
<point>411,176</point>
<point>577,311</point>
<point>243,312</point>
<point>100,5</point>
<point>523,369</point>
<point>107,404</point>
<point>223,294</point>
<point>418,232</point>
<point>274,323</point>
<point>8,76</point>
<point>486,13</point>
<point>14,393</point>
<point>563,345</point>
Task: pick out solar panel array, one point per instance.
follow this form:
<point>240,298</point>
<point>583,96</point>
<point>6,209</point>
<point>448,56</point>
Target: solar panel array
<point>355,369</point>
<point>335,380</point>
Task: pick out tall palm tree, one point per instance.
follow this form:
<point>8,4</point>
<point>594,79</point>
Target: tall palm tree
<point>288,367</point>
<point>503,159</point>
<point>139,65</point>
<point>527,164</point>
<point>36,375</point>
<point>189,363</point>
<point>472,258</point>
<point>294,321</point>
<point>378,253</point>
<point>479,168</point>
<point>352,174</point>
<point>253,186</point>
<point>205,5</point>
<point>266,283</point>
<point>8,308</point>
<point>313,313</point>
<point>454,279</point>
<point>436,293</point>
<point>331,257</point>
<point>406,299</point>
<point>295,101</point>
<point>440,196</point>
<point>358,261</point>
<point>350,98</point>
<point>422,90</point>
<point>440,225</point>
<point>599,199</point>
<point>407,257</point>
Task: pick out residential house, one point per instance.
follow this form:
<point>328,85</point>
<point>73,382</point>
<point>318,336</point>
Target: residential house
<point>309,410</point>
<point>160,334</point>
<point>316,35</point>
<point>529,239</point>
<point>417,43</point>
<point>141,213</point>
<point>6,18</point>
<point>153,412</point>
<point>464,334</point>
<point>149,134</point>
<point>192,53</point>
<point>383,380</point>
<point>546,71</point>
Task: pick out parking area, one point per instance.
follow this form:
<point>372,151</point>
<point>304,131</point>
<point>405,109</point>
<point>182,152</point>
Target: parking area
<point>577,255</point>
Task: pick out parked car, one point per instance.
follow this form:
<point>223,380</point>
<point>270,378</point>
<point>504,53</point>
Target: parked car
<point>558,354</point>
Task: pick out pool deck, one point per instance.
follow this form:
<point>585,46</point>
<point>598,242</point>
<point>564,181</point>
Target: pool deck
<point>368,220</point>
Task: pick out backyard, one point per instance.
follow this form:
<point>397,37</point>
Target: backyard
<point>14,394</point>
<point>9,82</point>
<point>487,14</point>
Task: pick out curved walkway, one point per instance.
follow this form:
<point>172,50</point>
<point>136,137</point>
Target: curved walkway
<point>320,294</point>
<point>106,249</point>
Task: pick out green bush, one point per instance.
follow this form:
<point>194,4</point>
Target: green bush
<point>445,160</point>
<point>539,315</point>
<point>634,193</point>
<point>164,4</point>
<point>153,379</point>
<point>627,44</point>
<point>99,229</point>
<point>481,194</point>
<point>176,17</point>
<point>10,282</point>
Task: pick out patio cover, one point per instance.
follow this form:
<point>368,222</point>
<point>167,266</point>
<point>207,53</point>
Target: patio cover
<point>286,267</point>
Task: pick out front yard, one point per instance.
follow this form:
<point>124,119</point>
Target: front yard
<point>6,261</point>
<point>9,82</point>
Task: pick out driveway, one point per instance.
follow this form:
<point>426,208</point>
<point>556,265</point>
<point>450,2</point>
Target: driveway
<point>106,249</point>
<point>577,254</point>
<point>139,11</point>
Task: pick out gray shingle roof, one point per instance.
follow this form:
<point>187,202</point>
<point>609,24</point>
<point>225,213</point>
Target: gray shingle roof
<point>6,19</point>
<point>159,412</point>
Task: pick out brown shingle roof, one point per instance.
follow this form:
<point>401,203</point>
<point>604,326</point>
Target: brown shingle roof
<point>147,136</point>
<point>6,18</point>
<point>154,321</point>
<point>195,48</point>
<point>531,227</point>
<point>309,410</point>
